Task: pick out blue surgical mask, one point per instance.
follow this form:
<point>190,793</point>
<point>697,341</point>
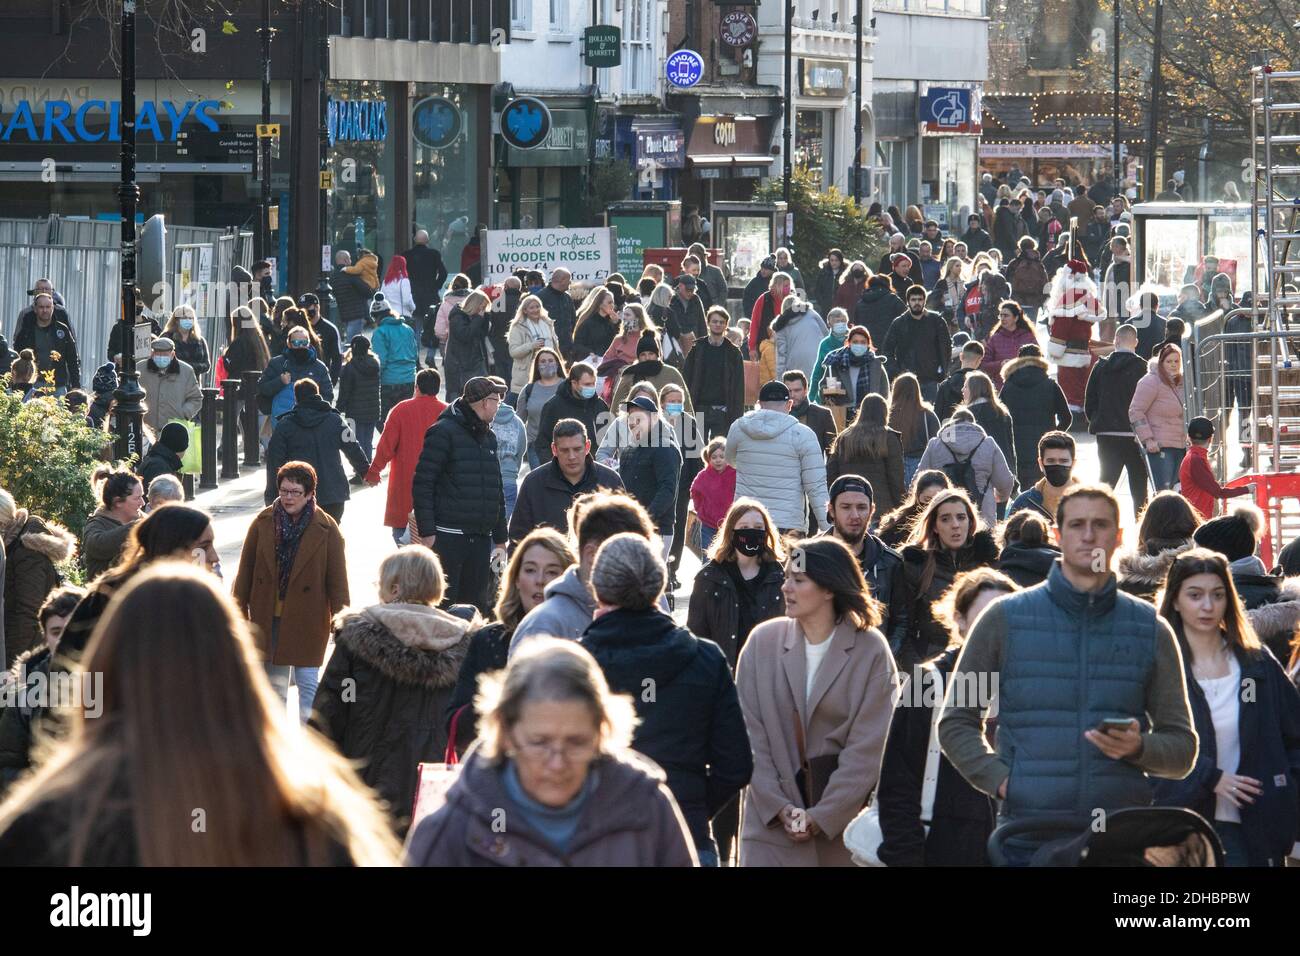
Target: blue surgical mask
<point>162,361</point>
<point>673,408</point>
<point>859,349</point>
<point>186,324</point>
<point>534,289</point>
<point>841,329</point>
<point>588,391</point>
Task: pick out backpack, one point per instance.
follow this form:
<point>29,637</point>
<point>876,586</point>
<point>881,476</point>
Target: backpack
<point>961,472</point>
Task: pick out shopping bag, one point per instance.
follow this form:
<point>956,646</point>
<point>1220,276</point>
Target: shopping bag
<point>433,780</point>
<point>752,383</point>
<point>220,375</point>
<point>192,460</point>
<point>693,537</point>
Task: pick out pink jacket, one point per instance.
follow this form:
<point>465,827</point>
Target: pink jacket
<point>1003,346</point>
<point>712,493</point>
<point>1157,411</point>
<point>623,347</point>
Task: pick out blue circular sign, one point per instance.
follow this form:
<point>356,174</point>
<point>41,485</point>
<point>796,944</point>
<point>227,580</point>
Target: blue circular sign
<point>684,68</point>
<point>436,122</point>
<point>525,122</point>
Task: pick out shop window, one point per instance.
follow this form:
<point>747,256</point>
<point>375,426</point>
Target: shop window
<point>521,14</point>
<point>444,182</point>
<point>540,197</point>
<point>811,145</point>
<point>559,12</point>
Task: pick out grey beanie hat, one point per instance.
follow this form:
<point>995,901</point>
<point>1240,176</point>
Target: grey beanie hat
<point>628,573</point>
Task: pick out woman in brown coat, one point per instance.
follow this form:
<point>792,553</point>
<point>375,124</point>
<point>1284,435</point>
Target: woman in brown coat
<point>816,688</point>
<point>292,580</point>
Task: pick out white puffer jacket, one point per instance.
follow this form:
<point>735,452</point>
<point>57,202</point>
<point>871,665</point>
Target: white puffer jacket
<point>798,340</point>
<point>779,461</point>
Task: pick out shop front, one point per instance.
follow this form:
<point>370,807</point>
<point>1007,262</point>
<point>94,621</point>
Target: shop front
<point>823,129</point>
<point>544,187</point>
<point>660,156</point>
<point>950,123</point>
<point>728,155</point>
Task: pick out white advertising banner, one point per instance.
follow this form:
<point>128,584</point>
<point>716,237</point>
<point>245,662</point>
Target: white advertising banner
<point>589,254</point>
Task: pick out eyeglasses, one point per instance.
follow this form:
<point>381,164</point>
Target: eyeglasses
<point>569,753</point>
<point>292,493</point>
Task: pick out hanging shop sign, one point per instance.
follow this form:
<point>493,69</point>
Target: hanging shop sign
<point>738,28</point>
<point>946,110</point>
<point>602,46</point>
<point>823,78</point>
<point>525,122</point>
<point>684,68</point>
<point>588,254</point>
<point>436,122</point>
<point>357,121</point>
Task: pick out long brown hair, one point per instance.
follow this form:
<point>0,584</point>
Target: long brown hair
<point>189,724</point>
<point>962,594</point>
<point>981,386</point>
<point>1168,521</point>
<point>590,309</point>
<point>868,435</point>
<point>924,526</point>
<point>904,516</point>
<point>244,325</point>
<point>724,546</point>
<point>1235,625</point>
<point>509,609</point>
<point>830,565</point>
<point>906,408</point>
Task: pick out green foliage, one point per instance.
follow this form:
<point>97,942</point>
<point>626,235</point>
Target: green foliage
<point>47,454</point>
<point>824,219</point>
<point>611,181</point>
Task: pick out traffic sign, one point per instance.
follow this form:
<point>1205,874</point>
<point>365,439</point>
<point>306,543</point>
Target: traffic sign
<point>525,122</point>
<point>602,45</point>
<point>684,68</point>
<point>268,130</point>
<point>326,179</point>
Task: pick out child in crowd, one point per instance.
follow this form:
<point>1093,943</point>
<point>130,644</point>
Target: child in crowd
<point>1199,486</point>
<point>713,490</point>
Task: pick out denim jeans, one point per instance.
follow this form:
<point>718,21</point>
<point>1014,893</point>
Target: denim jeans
<point>1164,467</point>
<point>365,433</point>
<point>706,536</point>
<point>355,328</point>
<point>708,854</point>
<point>510,491</point>
<point>534,460</point>
<point>401,536</point>
<point>307,679</point>
<point>1234,843</point>
<point>910,463</point>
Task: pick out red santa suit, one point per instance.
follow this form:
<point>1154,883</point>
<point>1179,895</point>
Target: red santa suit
<point>1073,310</point>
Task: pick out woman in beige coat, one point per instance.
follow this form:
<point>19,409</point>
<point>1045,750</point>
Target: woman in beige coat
<point>816,688</point>
<point>530,330</point>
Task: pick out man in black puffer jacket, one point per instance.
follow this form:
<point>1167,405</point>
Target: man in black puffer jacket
<point>1111,385</point>
<point>652,465</point>
<point>460,508</point>
<point>1037,406</point>
<point>314,432</point>
<point>877,309</point>
<point>690,718</point>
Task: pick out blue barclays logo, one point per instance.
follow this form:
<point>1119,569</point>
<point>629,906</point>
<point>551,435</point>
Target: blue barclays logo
<point>56,121</point>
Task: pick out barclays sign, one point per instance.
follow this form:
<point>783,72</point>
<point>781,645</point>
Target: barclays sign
<point>57,121</point>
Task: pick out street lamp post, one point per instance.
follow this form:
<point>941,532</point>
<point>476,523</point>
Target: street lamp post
<point>323,290</point>
<point>1114,146</point>
<point>789,113</point>
<point>857,107</point>
<point>129,414</point>
<point>263,142</point>
<point>1149,185</point>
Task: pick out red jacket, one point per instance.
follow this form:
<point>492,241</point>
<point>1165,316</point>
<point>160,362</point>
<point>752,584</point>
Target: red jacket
<point>1003,346</point>
<point>401,442</point>
<point>1199,485</point>
<point>712,493</point>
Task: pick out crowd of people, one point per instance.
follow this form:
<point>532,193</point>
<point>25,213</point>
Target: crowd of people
<point>876,469</point>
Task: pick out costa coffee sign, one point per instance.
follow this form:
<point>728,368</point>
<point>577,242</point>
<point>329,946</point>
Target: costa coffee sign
<point>738,28</point>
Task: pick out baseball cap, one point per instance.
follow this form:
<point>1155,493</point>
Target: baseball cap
<point>686,279</point>
<point>850,483</point>
<point>308,298</point>
<point>1200,429</point>
<point>481,386</point>
<point>774,391</point>
<point>643,402</point>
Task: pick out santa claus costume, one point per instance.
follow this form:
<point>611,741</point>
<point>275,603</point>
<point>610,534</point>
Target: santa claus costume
<point>1073,310</point>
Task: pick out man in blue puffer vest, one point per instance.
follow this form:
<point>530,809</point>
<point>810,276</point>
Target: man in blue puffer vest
<point>1061,658</point>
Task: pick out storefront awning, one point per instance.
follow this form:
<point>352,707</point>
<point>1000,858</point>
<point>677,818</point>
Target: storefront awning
<point>758,159</point>
<point>729,141</point>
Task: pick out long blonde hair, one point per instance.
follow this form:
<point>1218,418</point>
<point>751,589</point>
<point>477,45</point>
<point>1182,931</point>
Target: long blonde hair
<point>509,608</point>
<point>192,724</point>
<point>173,328</point>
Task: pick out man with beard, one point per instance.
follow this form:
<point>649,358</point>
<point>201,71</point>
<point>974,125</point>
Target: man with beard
<point>817,417</point>
<point>850,510</point>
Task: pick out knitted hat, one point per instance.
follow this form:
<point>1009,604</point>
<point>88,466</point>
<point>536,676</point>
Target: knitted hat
<point>628,573</point>
<point>1230,535</point>
<point>175,436</point>
<point>379,305</point>
<point>105,379</point>
<point>648,342</point>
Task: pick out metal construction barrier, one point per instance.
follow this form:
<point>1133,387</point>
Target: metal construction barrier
<point>88,278</point>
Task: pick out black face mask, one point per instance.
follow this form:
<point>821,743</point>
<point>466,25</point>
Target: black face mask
<point>1057,475</point>
<point>298,354</point>
<point>750,541</point>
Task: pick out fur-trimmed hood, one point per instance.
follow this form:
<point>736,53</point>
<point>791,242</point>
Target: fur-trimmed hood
<point>1012,366</point>
<point>1149,569</point>
<point>25,664</point>
<point>410,643</point>
<point>46,538</point>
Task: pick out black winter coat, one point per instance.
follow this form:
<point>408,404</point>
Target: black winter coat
<point>24,715</point>
<point>160,460</point>
<point>115,345</point>
<point>650,471</point>
<point>927,636</point>
<point>876,311</point>
<point>999,427</point>
<point>714,610</point>
<point>331,347</point>
<point>592,412</point>
<point>359,389</point>
<point>458,477</point>
<point>1269,730</point>
<point>691,724</point>
<point>1037,406</point>
<point>828,281</point>
<point>948,397</point>
<point>314,432</point>
<point>466,354</point>
<point>545,496</point>
<point>67,370</point>
<point>921,346</point>
<point>1111,385</point>
<point>963,818</point>
<point>351,296</point>
<point>819,419</point>
<point>977,241</point>
<point>733,379</point>
<point>425,266</point>
<point>195,354</point>
<point>594,336</point>
<point>564,315</point>
<point>1027,566</point>
<point>269,385</point>
<point>401,661</point>
<point>489,650</point>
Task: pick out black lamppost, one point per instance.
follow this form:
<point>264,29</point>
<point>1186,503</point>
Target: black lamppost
<point>789,113</point>
<point>323,290</point>
<point>129,413</point>
<point>264,142</point>
<point>857,107</point>
<point>1114,146</point>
